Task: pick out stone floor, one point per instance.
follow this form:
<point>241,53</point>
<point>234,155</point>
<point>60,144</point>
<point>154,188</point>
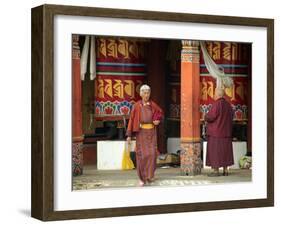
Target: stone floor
<point>95,179</point>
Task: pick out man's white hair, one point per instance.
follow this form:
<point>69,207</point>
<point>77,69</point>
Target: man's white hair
<point>143,88</point>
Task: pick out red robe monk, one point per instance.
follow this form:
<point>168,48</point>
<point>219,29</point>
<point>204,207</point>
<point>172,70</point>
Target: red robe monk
<point>144,118</point>
<point>219,133</point>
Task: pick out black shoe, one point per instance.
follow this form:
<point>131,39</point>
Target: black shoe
<point>225,173</point>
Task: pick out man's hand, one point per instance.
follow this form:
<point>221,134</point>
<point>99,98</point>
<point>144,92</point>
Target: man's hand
<point>129,139</point>
<point>156,122</point>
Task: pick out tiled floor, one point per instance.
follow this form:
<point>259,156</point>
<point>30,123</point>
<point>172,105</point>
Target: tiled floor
<point>100,179</point>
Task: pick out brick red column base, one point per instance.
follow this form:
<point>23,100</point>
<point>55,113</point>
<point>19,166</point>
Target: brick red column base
<point>77,158</point>
<point>191,162</point>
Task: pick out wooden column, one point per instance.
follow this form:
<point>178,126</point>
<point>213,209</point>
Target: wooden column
<point>156,61</point>
<point>249,103</point>
<point>191,162</point>
<point>77,134</point>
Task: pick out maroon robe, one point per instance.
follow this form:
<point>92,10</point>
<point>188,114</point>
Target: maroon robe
<point>134,122</point>
<point>146,139</point>
<point>219,134</point>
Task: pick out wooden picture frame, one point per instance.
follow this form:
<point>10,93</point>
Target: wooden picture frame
<point>43,107</point>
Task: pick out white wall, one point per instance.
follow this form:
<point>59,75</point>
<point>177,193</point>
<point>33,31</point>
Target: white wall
<point>15,111</point>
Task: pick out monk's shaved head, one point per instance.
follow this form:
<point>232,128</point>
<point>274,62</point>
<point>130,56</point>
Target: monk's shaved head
<point>219,92</point>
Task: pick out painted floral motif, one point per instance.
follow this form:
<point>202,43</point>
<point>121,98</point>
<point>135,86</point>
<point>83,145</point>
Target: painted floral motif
<point>108,110</point>
<point>124,110</point>
<point>240,111</point>
<point>113,108</point>
<point>97,111</point>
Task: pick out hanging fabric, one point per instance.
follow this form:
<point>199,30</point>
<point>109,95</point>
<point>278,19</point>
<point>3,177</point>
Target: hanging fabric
<point>84,58</point>
<point>93,59</point>
<point>216,71</point>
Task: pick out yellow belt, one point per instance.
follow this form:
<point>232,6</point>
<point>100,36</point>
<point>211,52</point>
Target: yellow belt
<point>146,125</point>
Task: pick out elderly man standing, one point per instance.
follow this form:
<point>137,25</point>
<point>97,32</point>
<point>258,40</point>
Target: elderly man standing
<point>144,118</point>
<point>219,135</point>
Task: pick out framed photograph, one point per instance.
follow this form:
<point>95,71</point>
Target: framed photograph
<point>142,112</point>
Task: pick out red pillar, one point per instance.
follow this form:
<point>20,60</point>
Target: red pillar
<point>77,134</point>
<point>191,162</point>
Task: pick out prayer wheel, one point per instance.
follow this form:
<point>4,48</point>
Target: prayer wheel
<point>235,58</point>
<point>121,69</point>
